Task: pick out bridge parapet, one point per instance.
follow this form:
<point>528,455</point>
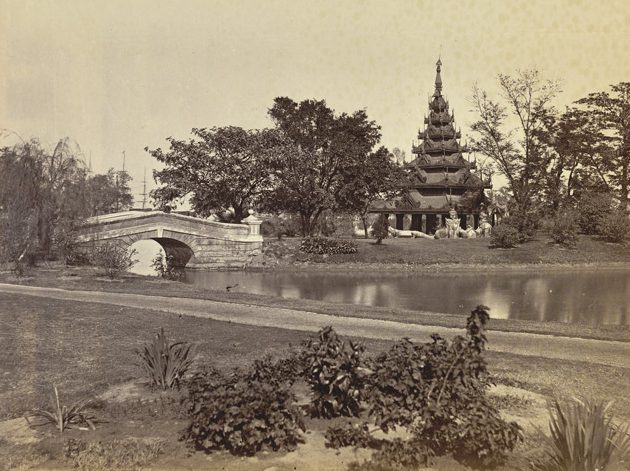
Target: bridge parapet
<point>212,244</point>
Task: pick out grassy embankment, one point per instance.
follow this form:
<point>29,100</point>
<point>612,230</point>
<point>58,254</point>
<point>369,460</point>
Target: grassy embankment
<point>446,254</point>
<point>86,348</point>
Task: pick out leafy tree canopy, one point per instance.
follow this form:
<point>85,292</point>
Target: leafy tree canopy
<point>333,164</point>
<point>219,168</point>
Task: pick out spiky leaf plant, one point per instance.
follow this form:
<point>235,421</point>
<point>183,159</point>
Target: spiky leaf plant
<point>584,437</point>
<point>63,417</point>
<point>165,363</point>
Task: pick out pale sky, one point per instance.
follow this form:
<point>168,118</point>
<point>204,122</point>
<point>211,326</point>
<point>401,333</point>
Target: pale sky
<point>122,75</point>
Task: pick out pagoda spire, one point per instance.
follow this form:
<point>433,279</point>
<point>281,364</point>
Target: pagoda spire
<point>438,78</point>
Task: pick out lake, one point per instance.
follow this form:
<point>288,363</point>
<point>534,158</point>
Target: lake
<point>591,297</point>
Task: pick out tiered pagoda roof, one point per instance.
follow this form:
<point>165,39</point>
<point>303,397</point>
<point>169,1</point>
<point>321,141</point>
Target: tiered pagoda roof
<point>439,175</point>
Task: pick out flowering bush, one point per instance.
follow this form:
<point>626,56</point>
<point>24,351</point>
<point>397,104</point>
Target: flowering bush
<point>504,236</point>
<point>324,246</point>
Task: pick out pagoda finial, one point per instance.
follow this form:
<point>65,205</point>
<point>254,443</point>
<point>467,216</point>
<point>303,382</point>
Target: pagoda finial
<point>438,78</point>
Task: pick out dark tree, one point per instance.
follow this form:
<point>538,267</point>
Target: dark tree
<point>218,169</point>
<point>324,169</point>
<point>109,193</point>
<point>610,113</point>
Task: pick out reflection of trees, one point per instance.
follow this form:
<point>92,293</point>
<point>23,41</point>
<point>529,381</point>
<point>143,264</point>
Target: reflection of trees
<point>599,297</point>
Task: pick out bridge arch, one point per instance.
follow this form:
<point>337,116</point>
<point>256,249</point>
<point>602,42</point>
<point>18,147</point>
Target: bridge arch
<point>192,242</point>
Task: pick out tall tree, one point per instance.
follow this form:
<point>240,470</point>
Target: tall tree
<point>109,193</point>
<point>518,152</point>
<point>611,114</point>
<point>42,194</point>
<point>321,171</point>
<point>220,168</point>
<point>379,176</point>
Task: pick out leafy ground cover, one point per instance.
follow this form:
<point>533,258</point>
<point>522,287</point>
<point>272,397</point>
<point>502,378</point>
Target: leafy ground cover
<point>87,349</point>
<point>89,279</point>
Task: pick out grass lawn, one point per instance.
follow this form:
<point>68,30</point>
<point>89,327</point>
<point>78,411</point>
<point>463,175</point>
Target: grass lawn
<point>86,349</point>
<point>87,278</point>
<point>446,253</point>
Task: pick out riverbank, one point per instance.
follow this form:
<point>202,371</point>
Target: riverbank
<point>432,255</point>
<point>90,279</point>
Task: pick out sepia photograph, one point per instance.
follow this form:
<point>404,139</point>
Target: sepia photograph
<point>290,235</point>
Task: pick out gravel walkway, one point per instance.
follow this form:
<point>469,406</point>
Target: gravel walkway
<point>592,351</point>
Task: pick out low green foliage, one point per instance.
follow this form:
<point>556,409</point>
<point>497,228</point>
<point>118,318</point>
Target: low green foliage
<point>64,417</point>
<point>113,259</point>
<point>615,227</point>
<point>165,363</point>
<point>127,454</point>
<point>242,413</point>
<point>324,246</point>
<point>165,267</point>
<point>584,438</point>
<point>334,374</point>
<point>438,390</point>
<point>592,208</point>
<point>397,455</point>
<point>564,228</point>
<point>504,236</point>
<point>358,436</point>
<point>380,228</point>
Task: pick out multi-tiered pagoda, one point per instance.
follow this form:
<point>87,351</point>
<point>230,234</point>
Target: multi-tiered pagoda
<point>440,178</point>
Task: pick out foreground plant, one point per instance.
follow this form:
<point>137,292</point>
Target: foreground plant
<point>243,412</point>
<point>165,363</point>
<point>584,438</point>
<point>63,417</point>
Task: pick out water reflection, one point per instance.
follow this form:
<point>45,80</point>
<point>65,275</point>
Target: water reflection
<point>596,297</point>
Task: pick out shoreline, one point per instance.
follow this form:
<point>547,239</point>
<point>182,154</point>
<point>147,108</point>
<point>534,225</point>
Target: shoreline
<point>432,268</point>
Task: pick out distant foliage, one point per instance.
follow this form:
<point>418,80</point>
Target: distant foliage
<point>584,438</point>
<point>615,227</point>
<point>242,413</point>
<point>165,363</point>
<point>593,208</point>
<point>504,236</point>
<point>113,259</point>
<point>564,227</point>
<point>380,228</point>
<point>334,374</point>
<point>324,246</point>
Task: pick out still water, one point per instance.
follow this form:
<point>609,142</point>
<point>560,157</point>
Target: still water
<point>590,297</point>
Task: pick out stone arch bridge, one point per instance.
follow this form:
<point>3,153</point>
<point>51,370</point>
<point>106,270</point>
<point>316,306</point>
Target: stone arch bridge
<point>193,242</point>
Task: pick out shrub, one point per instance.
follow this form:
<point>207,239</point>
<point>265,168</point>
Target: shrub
<point>334,373</point>
<point>397,455</point>
<point>356,436</point>
<point>113,258</point>
<point>615,227</point>
<point>438,389</point>
<point>564,228</point>
<point>593,208</point>
<point>380,228</point>
<point>583,437</point>
<point>165,363</point>
<point>165,267</point>
<point>324,246</point>
<point>504,236</point>
<point>242,414</point>
<point>63,417</point>
<point>127,454</point>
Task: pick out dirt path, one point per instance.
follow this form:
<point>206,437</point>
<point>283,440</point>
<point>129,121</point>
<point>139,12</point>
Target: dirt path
<point>592,351</point>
